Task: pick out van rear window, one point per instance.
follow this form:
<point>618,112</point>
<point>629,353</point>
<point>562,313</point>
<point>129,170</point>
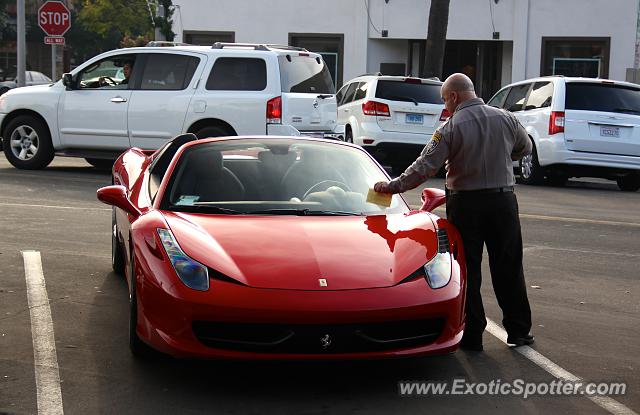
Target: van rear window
<point>409,92</point>
<point>602,97</point>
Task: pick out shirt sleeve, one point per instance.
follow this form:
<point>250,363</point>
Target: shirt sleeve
<point>427,164</point>
<point>522,143</point>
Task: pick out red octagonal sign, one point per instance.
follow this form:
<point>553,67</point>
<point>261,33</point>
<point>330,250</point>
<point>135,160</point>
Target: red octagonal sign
<point>54,18</point>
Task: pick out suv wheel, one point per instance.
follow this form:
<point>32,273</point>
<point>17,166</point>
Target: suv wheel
<point>213,131</point>
<point>27,143</point>
<point>529,169</point>
<point>629,182</point>
<point>348,135</point>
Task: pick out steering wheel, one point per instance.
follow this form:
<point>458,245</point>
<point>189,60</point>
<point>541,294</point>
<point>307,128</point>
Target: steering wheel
<point>330,183</point>
<point>106,81</point>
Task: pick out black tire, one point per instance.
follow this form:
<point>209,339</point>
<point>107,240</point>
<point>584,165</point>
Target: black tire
<point>348,135</point>
<point>213,131</point>
<point>117,259</point>
<point>27,132</point>
<point>102,164</point>
<point>136,345</point>
<point>629,182</point>
<point>529,169</point>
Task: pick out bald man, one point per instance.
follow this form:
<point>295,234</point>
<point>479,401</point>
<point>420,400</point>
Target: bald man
<point>479,143</point>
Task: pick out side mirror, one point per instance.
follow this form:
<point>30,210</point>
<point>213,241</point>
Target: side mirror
<point>117,196</point>
<point>432,198</point>
<point>67,80</point>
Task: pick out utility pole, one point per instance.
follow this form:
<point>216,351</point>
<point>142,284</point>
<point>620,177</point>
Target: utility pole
<point>21,44</point>
<point>636,55</point>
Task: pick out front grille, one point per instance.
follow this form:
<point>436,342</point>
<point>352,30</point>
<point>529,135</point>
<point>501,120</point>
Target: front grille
<point>318,338</point>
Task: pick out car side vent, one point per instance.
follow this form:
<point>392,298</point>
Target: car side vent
<point>443,241</point>
<point>221,277</point>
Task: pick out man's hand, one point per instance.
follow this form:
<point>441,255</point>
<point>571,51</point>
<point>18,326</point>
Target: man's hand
<point>382,187</point>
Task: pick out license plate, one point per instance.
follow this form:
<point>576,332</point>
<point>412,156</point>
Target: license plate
<point>610,132</point>
<point>414,119</point>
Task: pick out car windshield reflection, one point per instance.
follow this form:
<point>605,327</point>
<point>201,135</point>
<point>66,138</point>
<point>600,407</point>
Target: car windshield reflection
<point>276,177</point>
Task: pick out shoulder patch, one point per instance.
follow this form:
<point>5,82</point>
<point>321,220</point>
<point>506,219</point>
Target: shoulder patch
<point>433,143</point>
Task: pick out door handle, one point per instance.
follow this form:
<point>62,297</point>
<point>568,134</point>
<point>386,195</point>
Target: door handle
<point>118,100</point>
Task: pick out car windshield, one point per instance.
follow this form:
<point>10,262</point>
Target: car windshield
<point>276,177</point>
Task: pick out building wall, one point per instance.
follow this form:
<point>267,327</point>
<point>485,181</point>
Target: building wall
<point>524,22</point>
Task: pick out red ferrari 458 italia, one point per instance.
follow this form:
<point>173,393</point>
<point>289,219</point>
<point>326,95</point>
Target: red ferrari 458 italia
<point>266,248</point>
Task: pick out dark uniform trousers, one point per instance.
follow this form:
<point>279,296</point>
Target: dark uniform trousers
<point>492,219</point>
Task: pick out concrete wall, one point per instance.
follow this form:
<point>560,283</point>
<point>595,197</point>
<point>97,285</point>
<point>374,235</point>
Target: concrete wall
<point>524,22</point>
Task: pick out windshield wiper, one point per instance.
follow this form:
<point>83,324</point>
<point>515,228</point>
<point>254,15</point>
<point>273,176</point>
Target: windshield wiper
<point>205,209</point>
<point>302,212</point>
<point>626,110</point>
<point>404,98</point>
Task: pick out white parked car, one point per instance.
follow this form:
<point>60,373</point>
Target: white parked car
<point>392,117</point>
<point>223,90</point>
<point>30,78</point>
<point>580,127</point>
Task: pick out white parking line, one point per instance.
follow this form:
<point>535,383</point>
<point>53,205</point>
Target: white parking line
<point>53,206</point>
<point>608,404</point>
<point>44,345</point>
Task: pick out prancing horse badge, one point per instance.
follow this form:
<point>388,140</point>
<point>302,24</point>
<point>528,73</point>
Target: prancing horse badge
<point>323,282</point>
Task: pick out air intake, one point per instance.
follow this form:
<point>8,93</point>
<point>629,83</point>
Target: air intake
<point>443,241</point>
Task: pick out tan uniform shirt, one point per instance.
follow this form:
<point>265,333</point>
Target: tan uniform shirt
<point>478,142</point>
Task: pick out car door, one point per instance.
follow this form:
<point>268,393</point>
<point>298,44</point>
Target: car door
<point>93,114</point>
<point>161,96</point>
<point>344,107</point>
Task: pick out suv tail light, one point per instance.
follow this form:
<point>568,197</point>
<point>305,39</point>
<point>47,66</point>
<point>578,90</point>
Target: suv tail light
<point>444,115</point>
<point>556,122</point>
<point>274,110</point>
<point>375,108</point>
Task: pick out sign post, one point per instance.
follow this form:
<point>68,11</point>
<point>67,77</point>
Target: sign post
<point>54,19</point>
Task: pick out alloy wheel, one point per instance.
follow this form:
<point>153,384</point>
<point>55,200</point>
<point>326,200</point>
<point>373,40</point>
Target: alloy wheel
<point>24,142</point>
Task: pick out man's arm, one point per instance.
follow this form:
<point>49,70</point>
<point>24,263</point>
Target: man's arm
<point>522,144</point>
<point>426,165</point>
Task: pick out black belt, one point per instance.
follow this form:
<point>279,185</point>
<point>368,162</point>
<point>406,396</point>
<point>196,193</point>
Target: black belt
<point>480,191</point>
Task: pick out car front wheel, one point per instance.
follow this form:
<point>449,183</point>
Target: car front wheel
<point>630,182</point>
<point>27,143</point>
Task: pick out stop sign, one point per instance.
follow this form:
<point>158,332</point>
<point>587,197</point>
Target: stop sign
<point>54,18</point>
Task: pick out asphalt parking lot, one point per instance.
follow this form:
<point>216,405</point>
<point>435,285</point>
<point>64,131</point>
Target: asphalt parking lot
<point>581,265</point>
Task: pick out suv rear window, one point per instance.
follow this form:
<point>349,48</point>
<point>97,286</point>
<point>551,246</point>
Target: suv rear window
<point>238,74</point>
<point>305,74</point>
<point>602,97</point>
<point>403,91</point>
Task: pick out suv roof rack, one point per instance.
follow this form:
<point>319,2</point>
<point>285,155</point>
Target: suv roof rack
<point>255,46</point>
<point>164,43</point>
<point>372,74</point>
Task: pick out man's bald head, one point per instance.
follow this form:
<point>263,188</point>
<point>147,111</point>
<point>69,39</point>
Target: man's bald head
<point>456,89</point>
<point>458,82</point>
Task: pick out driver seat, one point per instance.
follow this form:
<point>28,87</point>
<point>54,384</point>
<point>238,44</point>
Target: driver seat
<point>314,167</point>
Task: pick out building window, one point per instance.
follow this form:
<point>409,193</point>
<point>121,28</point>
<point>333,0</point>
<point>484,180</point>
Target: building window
<point>208,38</point>
<point>588,57</point>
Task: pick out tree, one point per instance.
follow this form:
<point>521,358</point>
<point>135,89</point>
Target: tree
<point>436,38</point>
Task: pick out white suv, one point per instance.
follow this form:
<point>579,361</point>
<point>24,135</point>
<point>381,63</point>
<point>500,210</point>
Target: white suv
<point>579,127</point>
<point>392,117</point>
<point>227,89</point>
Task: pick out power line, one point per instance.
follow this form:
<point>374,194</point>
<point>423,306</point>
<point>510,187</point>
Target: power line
<point>366,7</point>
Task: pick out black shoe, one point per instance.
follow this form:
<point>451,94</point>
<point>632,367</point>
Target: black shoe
<point>517,341</point>
<point>471,346</point>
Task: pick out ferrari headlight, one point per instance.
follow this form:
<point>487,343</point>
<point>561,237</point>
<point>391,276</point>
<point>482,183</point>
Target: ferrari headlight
<point>438,270</point>
<point>192,273</point>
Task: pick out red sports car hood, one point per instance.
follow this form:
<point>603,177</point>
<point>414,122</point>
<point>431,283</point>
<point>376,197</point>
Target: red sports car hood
<point>295,252</point>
